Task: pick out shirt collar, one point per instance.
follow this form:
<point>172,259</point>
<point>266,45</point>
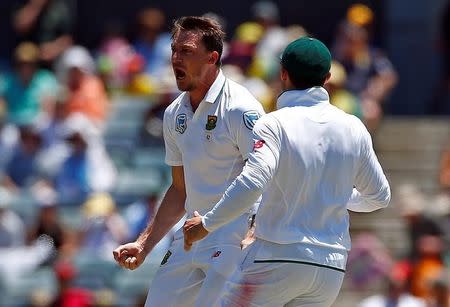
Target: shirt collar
<point>215,88</point>
<point>306,98</point>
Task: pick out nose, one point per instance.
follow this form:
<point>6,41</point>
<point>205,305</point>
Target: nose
<point>176,57</point>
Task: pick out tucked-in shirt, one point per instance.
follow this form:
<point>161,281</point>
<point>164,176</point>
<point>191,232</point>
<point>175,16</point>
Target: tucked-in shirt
<point>307,158</point>
<point>211,143</point>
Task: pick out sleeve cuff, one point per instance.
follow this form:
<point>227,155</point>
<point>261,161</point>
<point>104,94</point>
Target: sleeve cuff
<point>205,223</point>
<point>174,163</point>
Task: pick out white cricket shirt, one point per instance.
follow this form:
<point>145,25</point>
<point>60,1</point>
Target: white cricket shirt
<point>308,157</point>
<point>211,143</point>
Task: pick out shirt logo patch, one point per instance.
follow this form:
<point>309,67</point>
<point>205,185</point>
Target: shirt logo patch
<point>216,254</point>
<point>211,122</point>
<point>250,118</point>
<point>181,124</point>
<point>258,144</point>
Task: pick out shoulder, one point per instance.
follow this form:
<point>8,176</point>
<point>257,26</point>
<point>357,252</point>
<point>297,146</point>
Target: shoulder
<point>270,121</point>
<point>174,106</point>
<point>240,98</point>
<point>242,105</point>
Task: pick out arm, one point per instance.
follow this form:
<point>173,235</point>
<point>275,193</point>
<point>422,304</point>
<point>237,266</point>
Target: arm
<point>132,255</point>
<point>25,18</point>
<point>372,191</point>
<point>49,51</point>
<point>169,213</point>
<point>254,178</point>
<point>245,189</point>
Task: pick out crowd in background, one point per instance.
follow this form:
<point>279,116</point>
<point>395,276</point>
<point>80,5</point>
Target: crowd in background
<point>63,195</point>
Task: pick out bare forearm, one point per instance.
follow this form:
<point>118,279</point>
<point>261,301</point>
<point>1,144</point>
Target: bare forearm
<point>27,16</point>
<point>169,213</point>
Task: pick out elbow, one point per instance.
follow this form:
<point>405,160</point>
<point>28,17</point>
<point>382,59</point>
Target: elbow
<point>386,197</point>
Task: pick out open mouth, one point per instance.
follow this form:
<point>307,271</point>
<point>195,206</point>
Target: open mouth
<point>179,74</point>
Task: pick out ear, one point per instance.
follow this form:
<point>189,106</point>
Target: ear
<point>213,58</point>
<point>283,74</point>
<point>327,78</point>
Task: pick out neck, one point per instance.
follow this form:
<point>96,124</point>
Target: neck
<point>197,94</point>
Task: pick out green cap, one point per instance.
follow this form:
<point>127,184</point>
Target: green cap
<point>308,59</point>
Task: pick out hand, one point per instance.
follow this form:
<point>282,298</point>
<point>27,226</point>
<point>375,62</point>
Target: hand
<point>249,237</point>
<point>130,255</point>
<point>193,231</point>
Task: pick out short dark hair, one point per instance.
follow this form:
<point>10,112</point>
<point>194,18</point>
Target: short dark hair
<point>302,83</point>
<point>209,29</point>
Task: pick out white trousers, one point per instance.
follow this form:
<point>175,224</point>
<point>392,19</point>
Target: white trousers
<point>276,283</point>
<point>198,277</point>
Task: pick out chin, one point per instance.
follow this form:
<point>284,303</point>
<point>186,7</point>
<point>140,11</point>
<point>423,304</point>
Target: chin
<point>184,87</point>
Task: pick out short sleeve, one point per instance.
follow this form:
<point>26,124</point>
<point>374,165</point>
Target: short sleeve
<point>173,153</point>
<point>242,119</point>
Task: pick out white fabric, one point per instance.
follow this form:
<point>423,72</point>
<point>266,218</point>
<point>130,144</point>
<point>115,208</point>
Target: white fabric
<point>197,278</point>
<point>211,158</point>
<point>12,229</point>
<point>281,284</point>
<point>312,156</point>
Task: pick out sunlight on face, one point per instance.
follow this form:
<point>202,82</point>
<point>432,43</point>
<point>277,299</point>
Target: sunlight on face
<point>189,59</point>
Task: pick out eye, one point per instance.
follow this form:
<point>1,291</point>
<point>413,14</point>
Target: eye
<point>186,50</point>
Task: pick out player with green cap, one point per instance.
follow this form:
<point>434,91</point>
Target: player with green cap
<point>312,163</point>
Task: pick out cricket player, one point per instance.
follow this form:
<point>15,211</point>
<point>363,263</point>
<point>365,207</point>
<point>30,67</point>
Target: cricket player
<point>313,162</point>
<point>207,133</point>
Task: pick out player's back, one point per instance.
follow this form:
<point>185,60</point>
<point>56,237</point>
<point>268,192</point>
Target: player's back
<point>319,154</point>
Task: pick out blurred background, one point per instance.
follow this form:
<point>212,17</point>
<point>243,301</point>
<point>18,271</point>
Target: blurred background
<point>83,87</point>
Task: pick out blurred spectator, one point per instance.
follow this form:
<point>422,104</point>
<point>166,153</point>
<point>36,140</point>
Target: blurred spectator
<point>243,44</point>
<point>48,222</point>
<point>427,267</point>
<point>85,92</point>
<point>274,39</point>
<point>116,58</point>
<point>69,295</point>
<point>444,175</point>
<point>22,169</point>
<point>9,136</point>
<point>104,227</point>
<point>138,215</point>
<point>396,293</point>
<point>369,261</point>
<point>48,23</point>
<point>152,42</point>
<point>339,96</point>
<point>370,75</point>
<point>411,203</point>
<point>88,168</point>
<point>12,228</point>
<point>440,291</point>
<point>28,91</point>
<point>256,86</point>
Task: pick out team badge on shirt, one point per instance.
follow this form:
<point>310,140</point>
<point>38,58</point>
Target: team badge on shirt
<point>181,124</point>
<point>211,122</point>
<point>250,118</point>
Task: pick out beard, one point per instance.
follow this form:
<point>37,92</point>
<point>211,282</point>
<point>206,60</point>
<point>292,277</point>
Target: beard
<point>185,87</point>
